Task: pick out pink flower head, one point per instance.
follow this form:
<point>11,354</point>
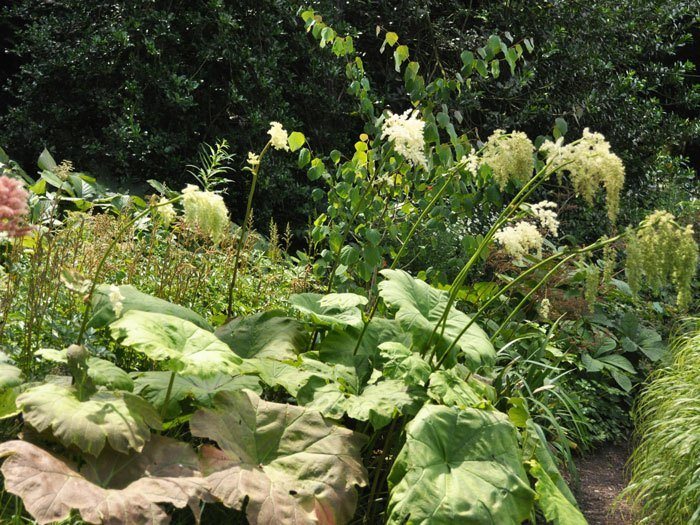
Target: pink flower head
<point>14,211</point>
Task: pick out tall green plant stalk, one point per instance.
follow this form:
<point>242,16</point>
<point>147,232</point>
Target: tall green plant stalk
<point>404,245</point>
<point>525,192</point>
<point>595,246</point>
<point>108,251</point>
<point>244,230</point>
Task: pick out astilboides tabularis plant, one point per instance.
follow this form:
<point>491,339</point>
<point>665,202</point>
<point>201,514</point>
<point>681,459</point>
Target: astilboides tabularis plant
<point>375,395</point>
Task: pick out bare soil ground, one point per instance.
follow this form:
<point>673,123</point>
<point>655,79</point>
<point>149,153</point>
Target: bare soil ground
<point>602,474</point>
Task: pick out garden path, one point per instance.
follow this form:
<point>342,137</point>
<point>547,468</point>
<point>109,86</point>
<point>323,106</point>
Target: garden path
<point>602,475</point>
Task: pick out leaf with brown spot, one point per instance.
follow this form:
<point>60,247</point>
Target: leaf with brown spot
<point>292,465</point>
<point>111,489</point>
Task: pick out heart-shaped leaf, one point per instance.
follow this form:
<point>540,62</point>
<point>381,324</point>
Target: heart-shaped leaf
<point>120,418</point>
<point>419,308</point>
<point>459,466</point>
<point>267,334</point>
<point>283,463</point>
<point>181,345</point>
<point>113,488</point>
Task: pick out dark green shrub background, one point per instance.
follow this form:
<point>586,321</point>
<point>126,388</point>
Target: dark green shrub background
<point>128,89</point>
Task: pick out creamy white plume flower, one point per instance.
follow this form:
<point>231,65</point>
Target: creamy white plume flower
<point>253,159</point>
<point>205,212</point>
<point>544,212</point>
<point>406,133</point>
<point>590,164</point>
<point>472,163</point>
<point>166,212</point>
<point>520,240</point>
<point>544,308</point>
<point>115,298</point>
<point>278,136</point>
<point>510,156</point>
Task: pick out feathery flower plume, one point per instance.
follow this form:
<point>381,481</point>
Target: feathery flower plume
<point>590,164</point>
<point>14,211</point>
<point>205,211</point>
<point>510,157</point>
<point>406,133</point>
<point>278,137</point>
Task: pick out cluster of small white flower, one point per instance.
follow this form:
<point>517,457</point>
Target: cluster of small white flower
<point>510,156</point>
<point>253,159</point>
<point>406,132</point>
<point>544,213</point>
<point>521,239</point>
<point>205,211</point>
<point>545,308</point>
<point>590,164</point>
<point>278,136</point>
<point>472,162</point>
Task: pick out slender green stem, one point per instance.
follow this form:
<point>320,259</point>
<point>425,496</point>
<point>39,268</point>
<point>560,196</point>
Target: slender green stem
<point>379,468</point>
<point>103,260</point>
<point>168,392</point>
<point>513,206</point>
<point>516,281</point>
<point>244,231</point>
<point>404,245</point>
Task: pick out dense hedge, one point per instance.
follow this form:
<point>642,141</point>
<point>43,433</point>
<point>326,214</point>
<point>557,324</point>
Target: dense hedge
<point>128,89</point>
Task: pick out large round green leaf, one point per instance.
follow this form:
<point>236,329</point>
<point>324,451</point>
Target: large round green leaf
<point>330,311</point>
<point>419,307</point>
<point>459,466</point>
<point>103,310</point>
<point>120,418</point>
<point>288,463</point>
<point>266,334</point>
<point>153,386</point>
<point>182,346</point>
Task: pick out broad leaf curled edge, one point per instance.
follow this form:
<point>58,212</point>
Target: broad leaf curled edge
<point>119,418</point>
<point>293,466</point>
<point>181,345</point>
<point>459,466</point>
<point>50,487</point>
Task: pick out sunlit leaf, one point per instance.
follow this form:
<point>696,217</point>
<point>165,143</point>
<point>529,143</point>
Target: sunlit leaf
<point>288,463</point>
<point>459,466</point>
<point>267,334</point>
<point>113,488</point>
<point>181,345</point>
<point>119,418</point>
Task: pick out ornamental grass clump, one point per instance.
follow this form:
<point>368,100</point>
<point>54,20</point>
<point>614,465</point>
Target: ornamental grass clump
<point>665,466</point>
<point>662,252</point>
<point>510,157</point>
<point>589,164</point>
